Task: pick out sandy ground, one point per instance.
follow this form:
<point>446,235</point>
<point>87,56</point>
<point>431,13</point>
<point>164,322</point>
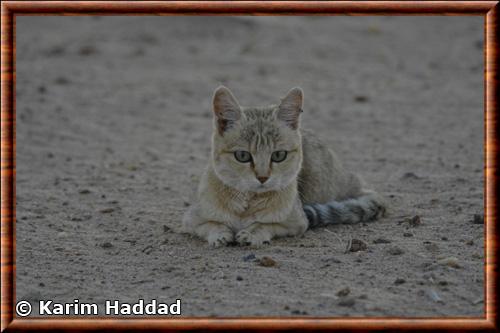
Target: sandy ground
<point>113,127</point>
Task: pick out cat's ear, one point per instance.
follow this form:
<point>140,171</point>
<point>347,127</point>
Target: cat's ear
<point>226,109</point>
<point>290,108</point>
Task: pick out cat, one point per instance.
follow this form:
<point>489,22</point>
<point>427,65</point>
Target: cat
<point>269,178</point>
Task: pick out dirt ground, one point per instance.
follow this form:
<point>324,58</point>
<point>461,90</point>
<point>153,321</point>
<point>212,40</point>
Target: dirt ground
<point>113,127</point>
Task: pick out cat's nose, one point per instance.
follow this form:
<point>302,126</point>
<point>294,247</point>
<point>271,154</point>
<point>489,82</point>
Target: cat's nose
<point>262,180</point>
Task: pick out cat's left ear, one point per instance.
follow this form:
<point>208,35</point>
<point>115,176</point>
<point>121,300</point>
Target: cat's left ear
<point>290,108</point>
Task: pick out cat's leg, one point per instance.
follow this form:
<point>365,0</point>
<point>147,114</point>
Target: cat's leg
<point>258,234</point>
<point>216,233</point>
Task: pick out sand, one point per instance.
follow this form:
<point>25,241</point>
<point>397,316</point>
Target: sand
<point>113,127</point>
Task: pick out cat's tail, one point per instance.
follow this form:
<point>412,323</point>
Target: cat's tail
<point>369,206</point>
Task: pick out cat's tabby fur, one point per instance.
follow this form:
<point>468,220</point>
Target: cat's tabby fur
<point>253,201</point>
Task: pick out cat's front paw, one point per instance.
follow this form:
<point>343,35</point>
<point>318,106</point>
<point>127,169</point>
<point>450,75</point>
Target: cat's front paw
<point>254,238</point>
<point>220,237</point>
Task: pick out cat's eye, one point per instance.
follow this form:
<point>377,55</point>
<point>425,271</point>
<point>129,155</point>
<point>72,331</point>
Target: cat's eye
<point>278,156</point>
<point>242,156</point>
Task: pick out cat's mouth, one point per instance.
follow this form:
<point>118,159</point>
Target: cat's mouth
<point>261,188</point>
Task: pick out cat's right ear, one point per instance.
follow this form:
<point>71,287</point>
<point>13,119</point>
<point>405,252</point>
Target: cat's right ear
<point>226,109</point>
<point>290,108</point>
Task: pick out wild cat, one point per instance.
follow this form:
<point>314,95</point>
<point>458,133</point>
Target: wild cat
<point>269,178</point>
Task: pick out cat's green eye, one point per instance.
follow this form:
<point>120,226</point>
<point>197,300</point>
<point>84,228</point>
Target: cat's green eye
<point>278,156</point>
<point>242,156</point>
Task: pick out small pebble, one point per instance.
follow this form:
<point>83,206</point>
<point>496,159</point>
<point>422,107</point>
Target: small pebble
<point>331,260</point>
<point>61,80</point>
<point>299,312</point>
<point>477,301</point>
<point>343,292</point>
<point>356,245</point>
<point>107,210</point>
<point>84,191</point>
<point>478,219</point>
<point>106,245</point>
<point>361,99</point>
<point>412,222</point>
<point>450,262</point>
<point>407,234</point>
<point>239,278</point>
<point>415,221</point>
<point>399,281</point>
<point>81,218</point>
<point>410,175</point>
<point>395,251</point>
<point>266,262</point>
<point>249,257</point>
<point>347,301</point>
<point>381,241</point>
<point>87,50</point>
<point>434,296</point>
<point>148,249</point>
<point>432,247</point>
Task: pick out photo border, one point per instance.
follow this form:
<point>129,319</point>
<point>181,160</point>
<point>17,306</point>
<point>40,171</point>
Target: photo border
<point>9,11</point>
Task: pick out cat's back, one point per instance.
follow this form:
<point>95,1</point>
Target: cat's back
<point>322,177</point>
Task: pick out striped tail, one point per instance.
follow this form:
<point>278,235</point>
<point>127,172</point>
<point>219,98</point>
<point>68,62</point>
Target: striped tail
<point>367,207</point>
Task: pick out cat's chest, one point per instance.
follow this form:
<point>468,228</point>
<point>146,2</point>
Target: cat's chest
<point>245,205</point>
<point>247,209</point>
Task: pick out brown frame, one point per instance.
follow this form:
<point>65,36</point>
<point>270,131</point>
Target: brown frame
<point>488,9</point>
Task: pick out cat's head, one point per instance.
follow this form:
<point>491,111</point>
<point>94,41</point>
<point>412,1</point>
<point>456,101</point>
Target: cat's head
<point>256,149</point>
